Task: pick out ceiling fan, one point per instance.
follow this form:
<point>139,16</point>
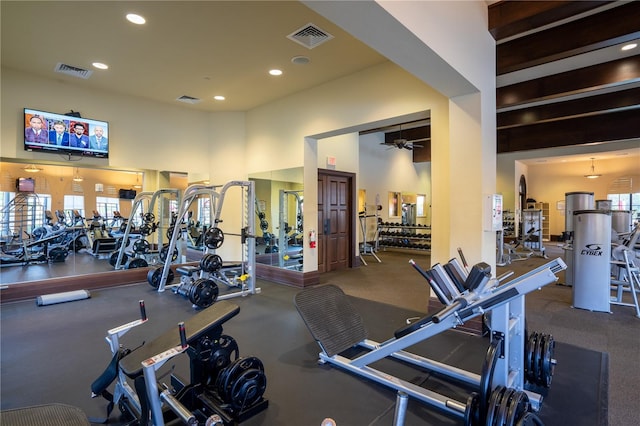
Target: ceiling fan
<point>401,142</point>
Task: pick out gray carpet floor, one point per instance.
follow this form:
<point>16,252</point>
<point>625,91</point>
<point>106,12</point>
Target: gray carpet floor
<point>53,353</point>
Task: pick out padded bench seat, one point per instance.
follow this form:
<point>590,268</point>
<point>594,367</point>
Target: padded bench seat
<point>195,327</point>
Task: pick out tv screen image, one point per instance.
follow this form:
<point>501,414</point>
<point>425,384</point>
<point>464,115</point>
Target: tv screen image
<point>59,133</point>
<point>25,185</point>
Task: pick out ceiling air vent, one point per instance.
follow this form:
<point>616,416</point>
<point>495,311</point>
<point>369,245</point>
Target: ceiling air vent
<point>73,71</point>
<point>188,99</point>
<point>310,36</point>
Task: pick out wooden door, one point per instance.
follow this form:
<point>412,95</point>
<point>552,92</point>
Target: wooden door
<point>335,220</point>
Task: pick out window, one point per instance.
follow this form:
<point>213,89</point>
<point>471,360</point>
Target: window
<point>73,202</point>
<point>107,205</point>
<point>22,213</point>
<point>624,201</point>
<point>420,203</point>
<point>204,211</point>
<point>629,202</point>
<point>173,206</point>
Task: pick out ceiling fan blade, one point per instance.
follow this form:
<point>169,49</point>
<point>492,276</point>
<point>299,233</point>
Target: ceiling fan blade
<point>419,140</point>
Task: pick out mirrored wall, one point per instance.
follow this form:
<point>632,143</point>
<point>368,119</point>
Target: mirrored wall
<point>279,218</point>
<point>61,221</point>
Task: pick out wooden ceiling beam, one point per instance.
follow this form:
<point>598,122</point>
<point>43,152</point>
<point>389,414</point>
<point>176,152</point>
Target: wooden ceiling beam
<point>409,134</point>
<point>613,126</point>
<point>508,18</point>
<point>574,81</point>
<point>597,31</point>
<point>597,104</point>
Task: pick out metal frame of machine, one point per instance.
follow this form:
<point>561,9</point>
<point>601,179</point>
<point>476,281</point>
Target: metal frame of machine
<point>246,280</point>
<point>504,301</point>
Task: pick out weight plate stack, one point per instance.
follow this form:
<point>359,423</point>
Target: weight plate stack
<point>539,363</point>
<point>242,383</point>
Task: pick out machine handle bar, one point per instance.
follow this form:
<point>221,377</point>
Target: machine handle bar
<point>183,335</point>
<point>176,406</point>
<point>143,311</point>
<point>455,306</point>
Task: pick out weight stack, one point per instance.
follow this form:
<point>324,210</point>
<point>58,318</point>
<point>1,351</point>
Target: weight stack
<point>69,296</point>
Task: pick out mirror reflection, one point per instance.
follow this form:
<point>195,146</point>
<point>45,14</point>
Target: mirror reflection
<point>61,221</point>
<point>279,218</point>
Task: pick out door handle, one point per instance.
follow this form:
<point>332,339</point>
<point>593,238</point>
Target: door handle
<point>327,226</point>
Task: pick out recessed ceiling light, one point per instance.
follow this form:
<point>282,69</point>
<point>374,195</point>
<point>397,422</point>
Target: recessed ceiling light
<point>629,46</point>
<point>135,19</point>
<point>100,65</point>
<point>275,72</point>
<point>219,98</point>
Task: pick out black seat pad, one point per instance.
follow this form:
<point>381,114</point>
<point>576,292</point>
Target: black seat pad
<point>195,327</point>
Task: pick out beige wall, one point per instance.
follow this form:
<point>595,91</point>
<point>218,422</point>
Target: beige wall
<point>142,134</point>
<point>549,183</point>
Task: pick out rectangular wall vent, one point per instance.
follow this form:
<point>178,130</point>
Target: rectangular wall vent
<point>72,71</point>
<point>188,99</point>
<point>310,36</point>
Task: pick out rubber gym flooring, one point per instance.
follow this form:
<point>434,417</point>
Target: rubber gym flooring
<point>51,354</point>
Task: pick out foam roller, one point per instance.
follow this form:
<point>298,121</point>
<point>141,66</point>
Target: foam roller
<point>68,296</point>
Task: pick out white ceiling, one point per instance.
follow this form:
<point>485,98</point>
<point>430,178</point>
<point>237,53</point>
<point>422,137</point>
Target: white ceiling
<point>193,48</point>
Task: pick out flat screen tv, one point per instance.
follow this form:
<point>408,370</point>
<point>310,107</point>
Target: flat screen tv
<point>64,134</point>
<point>25,185</point>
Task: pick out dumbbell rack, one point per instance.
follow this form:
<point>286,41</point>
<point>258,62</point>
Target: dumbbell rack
<point>397,235</point>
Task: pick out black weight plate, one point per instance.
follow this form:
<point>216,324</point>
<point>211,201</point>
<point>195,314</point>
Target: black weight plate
<point>537,360</point>
<point>213,238</point>
<point>472,410</point>
<point>494,404</point>
<point>154,276</point>
<point>248,388</point>
<point>145,229</point>
<point>114,258</point>
<point>137,263</point>
<point>235,370</point>
<point>203,293</point>
<point>165,250</point>
<point>141,246</point>
<point>517,407</point>
<point>529,357</point>
<point>547,360</point>
<point>149,217</point>
<point>211,263</point>
<point>224,353</point>
<point>501,416</point>
<point>158,271</point>
<point>58,254</point>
